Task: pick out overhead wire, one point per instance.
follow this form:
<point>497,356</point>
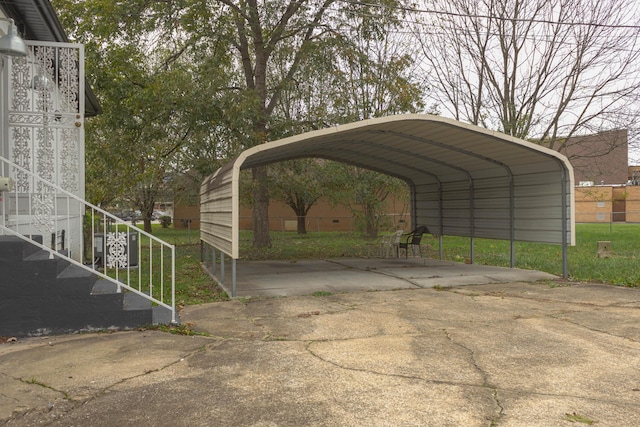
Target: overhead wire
<point>481,16</point>
<point>626,40</point>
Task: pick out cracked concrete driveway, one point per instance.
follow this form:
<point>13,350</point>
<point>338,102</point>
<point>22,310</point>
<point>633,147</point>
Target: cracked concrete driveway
<point>514,354</point>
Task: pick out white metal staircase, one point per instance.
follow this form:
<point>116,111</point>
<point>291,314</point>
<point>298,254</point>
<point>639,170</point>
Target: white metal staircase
<point>88,237</point>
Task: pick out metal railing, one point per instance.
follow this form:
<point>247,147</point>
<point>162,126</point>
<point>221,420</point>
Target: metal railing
<point>65,225</point>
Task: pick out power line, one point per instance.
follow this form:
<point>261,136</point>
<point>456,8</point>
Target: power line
<point>480,16</point>
<point>436,30</point>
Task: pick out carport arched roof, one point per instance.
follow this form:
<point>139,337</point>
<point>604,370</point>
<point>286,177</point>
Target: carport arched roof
<point>464,180</point>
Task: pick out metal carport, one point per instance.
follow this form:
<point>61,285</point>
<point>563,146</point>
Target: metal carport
<point>464,180</point>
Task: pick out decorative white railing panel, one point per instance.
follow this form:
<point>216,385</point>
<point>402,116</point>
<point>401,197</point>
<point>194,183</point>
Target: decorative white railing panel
<point>45,115</point>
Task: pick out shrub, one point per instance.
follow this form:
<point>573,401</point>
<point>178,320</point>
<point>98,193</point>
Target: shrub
<point>165,220</point>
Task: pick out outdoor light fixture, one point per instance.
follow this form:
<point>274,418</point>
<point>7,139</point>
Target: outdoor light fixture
<point>6,183</point>
<point>11,43</point>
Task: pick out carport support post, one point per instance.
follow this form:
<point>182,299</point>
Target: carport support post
<point>215,260</point>
<point>565,241</point>
<point>233,277</point>
<point>512,221</point>
<point>221,268</point>
<point>472,255</point>
<point>472,225</point>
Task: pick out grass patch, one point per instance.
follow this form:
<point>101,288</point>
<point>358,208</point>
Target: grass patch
<point>553,284</point>
<point>193,285</point>
<point>577,418</point>
<point>322,294</point>
<point>293,246</point>
<point>33,381</point>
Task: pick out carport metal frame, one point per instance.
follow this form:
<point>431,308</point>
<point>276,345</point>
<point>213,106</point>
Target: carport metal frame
<point>464,180</point>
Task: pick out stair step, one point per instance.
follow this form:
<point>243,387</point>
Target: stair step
<point>41,295</point>
<point>14,248</point>
<point>104,286</point>
<point>162,315</point>
<point>133,301</point>
<point>74,271</point>
<point>56,264</point>
<point>75,280</point>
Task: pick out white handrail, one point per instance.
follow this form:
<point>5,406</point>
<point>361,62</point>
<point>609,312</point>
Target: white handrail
<point>40,211</point>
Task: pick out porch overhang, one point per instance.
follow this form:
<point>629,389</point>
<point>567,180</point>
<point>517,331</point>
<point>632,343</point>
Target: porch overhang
<point>37,20</point>
<point>464,180</point>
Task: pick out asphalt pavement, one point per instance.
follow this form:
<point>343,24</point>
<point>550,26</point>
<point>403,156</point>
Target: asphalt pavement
<point>517,353</point>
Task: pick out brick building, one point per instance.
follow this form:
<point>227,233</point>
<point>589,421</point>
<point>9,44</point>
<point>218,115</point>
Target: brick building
<point>600,159</point>
<point>608,203</point>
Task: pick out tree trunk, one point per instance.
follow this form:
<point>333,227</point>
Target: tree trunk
<point>302,224</point>
<point>372,229</point>
<point>146,208</point>
<point>261,238</point>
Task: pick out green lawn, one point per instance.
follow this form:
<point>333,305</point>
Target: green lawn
<point>584,265</point>
<point>193,286</point>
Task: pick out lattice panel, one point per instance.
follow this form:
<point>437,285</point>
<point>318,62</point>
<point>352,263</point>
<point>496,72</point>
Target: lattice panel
<point>46,103</point>
<point>116,252</point>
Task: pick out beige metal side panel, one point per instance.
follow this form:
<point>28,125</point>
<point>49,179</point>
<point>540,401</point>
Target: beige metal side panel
<point>216,210</point>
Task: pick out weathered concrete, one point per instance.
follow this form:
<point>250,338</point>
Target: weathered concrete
<point>303,277</point>
<point>509,354</point>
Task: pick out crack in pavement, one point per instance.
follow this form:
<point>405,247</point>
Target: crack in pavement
<point>484,386</point>
<point>383,273</point>
<point>479,293</point>
<point>72,403</point>
<point>588,328</point>
<point>556,315</point>
<point>484,376</point>
<point>384,374</point>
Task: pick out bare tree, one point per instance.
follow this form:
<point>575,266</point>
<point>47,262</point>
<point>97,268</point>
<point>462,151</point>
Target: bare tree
<point>543,69</point>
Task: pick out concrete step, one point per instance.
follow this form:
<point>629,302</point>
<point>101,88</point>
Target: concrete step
<point>14,248</point>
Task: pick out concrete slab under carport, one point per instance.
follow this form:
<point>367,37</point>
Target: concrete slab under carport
<point>339,275</point>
